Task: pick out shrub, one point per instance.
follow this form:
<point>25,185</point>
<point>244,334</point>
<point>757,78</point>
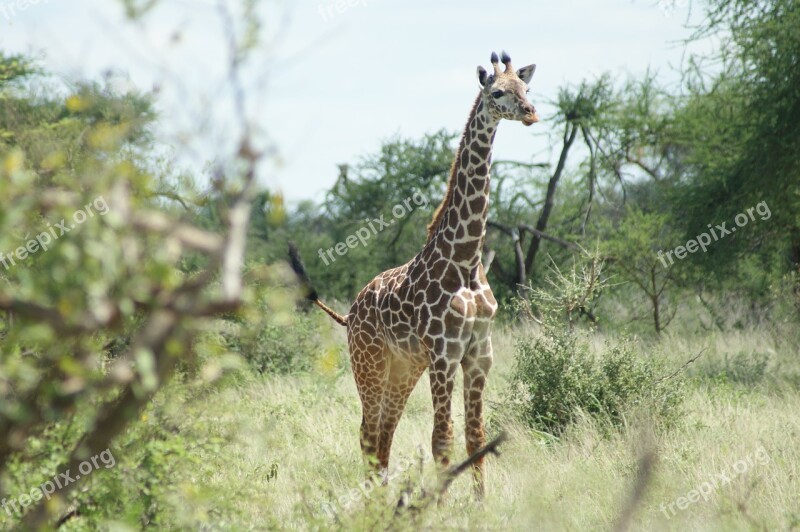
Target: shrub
<point>748,369</point>
<point>556,376</point>
<point>272,336</point>
<point>280,349</point>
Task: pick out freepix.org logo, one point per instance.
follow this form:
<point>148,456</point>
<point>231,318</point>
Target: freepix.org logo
<point>16,505</point>
<point>373,227</point>
<point>45,239</point>
<point>720,231</point>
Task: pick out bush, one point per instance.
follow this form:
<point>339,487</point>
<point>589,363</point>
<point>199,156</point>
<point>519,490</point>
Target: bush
<point>273,337</point>
<point>556,376</point>
<point>280,349</point>
<point>747,369</point>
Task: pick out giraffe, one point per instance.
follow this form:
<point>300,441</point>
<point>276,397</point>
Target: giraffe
<point>435,312</point>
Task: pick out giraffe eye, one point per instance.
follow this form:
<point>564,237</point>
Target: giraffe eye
<point>498,94</point>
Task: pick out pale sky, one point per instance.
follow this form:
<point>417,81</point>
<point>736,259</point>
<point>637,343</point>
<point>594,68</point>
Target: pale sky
<point>329,86</point>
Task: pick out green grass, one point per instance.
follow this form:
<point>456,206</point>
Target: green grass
<point>260,452</point>
<point>292,446</point>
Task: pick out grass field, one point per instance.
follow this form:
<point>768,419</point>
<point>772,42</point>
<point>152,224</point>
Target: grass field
<point>281,452</point>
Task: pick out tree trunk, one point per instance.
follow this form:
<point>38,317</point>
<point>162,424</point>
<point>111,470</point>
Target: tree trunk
<point>654,297</point>
<point>541,224</point>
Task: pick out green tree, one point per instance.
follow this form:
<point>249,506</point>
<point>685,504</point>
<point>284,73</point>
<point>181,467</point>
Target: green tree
<point>96,310</point>
<point>635,253</point>
<point>401,185</point>
<point>738,133</point>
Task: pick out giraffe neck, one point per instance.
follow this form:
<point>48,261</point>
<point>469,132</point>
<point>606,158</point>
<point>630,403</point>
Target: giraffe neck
<point>460,224</point>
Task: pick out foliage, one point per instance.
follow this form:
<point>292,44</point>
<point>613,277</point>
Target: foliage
<point>571,295</point>
<point>122,332</point>
<point>97,312</point>
<point>747,369</point>
<point>15,68</point>
<point>636,249</point>
<point>276,340</point>
<point>557,376</point>
<point>738,133</point>
<point>400,185</point>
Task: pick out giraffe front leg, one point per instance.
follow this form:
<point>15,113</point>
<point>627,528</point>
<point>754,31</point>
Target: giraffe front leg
<point>442,376</point>
<point>476,365</point>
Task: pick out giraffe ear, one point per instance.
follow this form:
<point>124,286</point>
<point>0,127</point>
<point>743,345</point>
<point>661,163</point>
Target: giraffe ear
<point>482,76</point>
<point>526,73</point>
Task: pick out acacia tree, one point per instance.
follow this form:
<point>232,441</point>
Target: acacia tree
<point>738,134</point>
<point>582,113</point>
<point>614,140</point>
<point>387,198</point>
<point>634,249</point>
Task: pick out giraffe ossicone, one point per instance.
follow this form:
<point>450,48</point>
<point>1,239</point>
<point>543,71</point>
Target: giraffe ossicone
<point>435,312</point>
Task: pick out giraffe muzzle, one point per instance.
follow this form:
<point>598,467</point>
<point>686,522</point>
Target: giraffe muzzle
<point>530,119</point>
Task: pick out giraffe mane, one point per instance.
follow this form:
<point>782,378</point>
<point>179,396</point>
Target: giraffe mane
<point>451,182</point>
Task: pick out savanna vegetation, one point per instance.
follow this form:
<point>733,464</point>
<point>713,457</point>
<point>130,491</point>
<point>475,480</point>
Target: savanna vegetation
<point>647,372</point>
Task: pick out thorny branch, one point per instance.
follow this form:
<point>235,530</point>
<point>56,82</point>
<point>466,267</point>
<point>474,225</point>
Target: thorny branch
<point>450,475</point>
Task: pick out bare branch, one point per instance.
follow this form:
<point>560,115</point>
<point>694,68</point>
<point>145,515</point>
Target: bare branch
<point>490,448</point>
<point>87,323</point>
<point>189,236</point>
<point>570,132</point>
<point>683,367</point>
<point>592,176</point>
<point>514,233</point>
<point>450,475</point>
<point>551,238</point>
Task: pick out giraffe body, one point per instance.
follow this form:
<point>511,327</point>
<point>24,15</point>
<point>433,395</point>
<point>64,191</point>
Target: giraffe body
<point>435,312</point>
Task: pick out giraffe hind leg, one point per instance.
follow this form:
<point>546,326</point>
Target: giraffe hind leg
<point>370,365</point>
<point>403,376</point>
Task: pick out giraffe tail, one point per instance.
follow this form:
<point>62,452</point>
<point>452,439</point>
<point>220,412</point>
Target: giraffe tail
<point>311,294</point>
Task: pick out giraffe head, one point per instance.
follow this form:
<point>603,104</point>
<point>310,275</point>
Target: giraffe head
<point>504,91</point>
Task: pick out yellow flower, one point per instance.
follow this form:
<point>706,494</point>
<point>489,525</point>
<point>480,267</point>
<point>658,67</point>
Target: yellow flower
<point>76,104</point>
<point>13,163</point>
